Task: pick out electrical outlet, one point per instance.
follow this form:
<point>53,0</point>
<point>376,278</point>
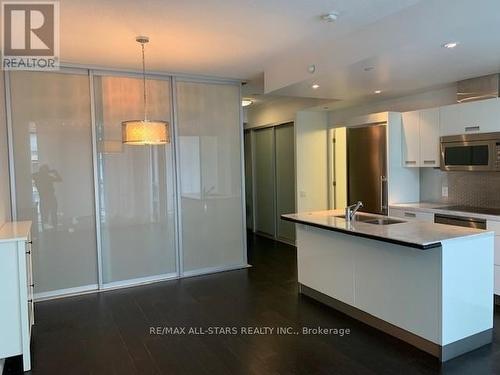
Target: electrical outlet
<point>444,191</point>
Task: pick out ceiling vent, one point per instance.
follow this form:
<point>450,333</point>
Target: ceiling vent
<point>480,88</point>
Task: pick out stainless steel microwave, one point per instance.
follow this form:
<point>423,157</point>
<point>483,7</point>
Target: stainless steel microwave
<point>471,152</point>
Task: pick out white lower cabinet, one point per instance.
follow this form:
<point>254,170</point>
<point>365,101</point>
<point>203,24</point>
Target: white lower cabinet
<point>16,291</point>
<point>497,251</point>
<point>411,215</point>
<point>495,226</point>
<point>497,280</point>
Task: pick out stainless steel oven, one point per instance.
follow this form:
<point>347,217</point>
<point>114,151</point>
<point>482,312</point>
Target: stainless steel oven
<point>471,152</point>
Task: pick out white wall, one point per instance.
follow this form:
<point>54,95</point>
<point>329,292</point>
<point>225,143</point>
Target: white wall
<point>4,161</point>
<point>311,137</point>
<point>277,111</point>
<point>426,99</point>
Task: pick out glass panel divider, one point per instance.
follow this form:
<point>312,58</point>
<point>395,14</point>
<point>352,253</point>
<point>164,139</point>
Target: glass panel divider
<point>95,164</point>
<point>177,178</point>
<point>98,167</point>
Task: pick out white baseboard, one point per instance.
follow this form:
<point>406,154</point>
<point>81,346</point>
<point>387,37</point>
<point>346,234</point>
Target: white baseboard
<point>139,281</point>
<point>69,292</point>
<point>209,270</point>
<point>287,241</point>
<point>94,288</point>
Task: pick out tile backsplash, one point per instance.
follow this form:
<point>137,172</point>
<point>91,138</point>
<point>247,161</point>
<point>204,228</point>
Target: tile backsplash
<point>480,189</point>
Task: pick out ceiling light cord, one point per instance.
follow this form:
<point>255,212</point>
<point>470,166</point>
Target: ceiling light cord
<point>144,83</point>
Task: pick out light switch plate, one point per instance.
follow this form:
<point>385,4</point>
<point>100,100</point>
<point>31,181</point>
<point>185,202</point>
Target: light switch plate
<point>444,191</point>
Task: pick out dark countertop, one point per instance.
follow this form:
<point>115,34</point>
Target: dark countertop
<point>416,234</point>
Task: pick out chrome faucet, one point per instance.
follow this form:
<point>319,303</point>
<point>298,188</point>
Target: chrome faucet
<point>351,210</point>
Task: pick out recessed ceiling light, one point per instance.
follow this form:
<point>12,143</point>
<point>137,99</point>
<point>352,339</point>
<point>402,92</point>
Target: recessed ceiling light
<point>450,45</point>
<point>315,86</point>
<point>246,102</point>
<point>377,91</point>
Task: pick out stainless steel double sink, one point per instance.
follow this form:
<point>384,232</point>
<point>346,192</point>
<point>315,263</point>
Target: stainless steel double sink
<point>373,219</point>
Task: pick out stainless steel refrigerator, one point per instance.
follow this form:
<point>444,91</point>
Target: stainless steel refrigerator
<point>367,167</point>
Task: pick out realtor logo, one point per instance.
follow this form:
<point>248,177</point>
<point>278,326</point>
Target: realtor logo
<point>30,35</point>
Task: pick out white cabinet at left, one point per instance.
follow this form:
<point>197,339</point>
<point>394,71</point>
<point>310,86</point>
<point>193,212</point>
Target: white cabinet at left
<point>16,291</point>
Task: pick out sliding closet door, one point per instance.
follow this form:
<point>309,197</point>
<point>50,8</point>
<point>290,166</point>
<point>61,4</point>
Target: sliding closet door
<point>209,134</point>
<point>52,145</point>
<point>248,179</point>
<point>136,184</point>
<point>285,180</point>
<point>265,204</point>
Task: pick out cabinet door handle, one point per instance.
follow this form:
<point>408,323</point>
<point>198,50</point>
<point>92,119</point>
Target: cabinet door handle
<point>429,162</point>
<point>411,162</point>
<point>410,214</point>
<point>472,128</point>
<point>28,252</point>
<point>29,242</point>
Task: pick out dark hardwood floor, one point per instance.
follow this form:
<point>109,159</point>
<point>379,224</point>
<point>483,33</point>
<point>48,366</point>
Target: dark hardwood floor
<point>108,333</point>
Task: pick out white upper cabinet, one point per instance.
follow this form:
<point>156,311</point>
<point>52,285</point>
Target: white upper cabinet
<point>429,137</point>
<point>482,116</point>
<point>411,139</point>
<point>421,138</point>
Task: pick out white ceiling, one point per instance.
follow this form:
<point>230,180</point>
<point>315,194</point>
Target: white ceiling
<point>229,38</point>
<point>243,38</point>
<point>404,49</point>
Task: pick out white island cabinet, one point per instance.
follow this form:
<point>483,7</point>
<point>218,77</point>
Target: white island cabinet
<point>425,211</point>
<point>428,284</point>
<point>16,291</point>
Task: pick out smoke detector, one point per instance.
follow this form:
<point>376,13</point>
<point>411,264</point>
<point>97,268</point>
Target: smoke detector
<point>450,45</point>
<point>330,17</point>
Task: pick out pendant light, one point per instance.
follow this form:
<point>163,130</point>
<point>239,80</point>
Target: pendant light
<point>145,132</point>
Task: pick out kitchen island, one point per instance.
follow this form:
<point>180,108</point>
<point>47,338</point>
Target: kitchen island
<point>428,284</point>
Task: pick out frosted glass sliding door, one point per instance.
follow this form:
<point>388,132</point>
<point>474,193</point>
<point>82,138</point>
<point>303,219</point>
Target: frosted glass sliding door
<point>52,145</point>
<point>209,134</point>
<point>136,184</point>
